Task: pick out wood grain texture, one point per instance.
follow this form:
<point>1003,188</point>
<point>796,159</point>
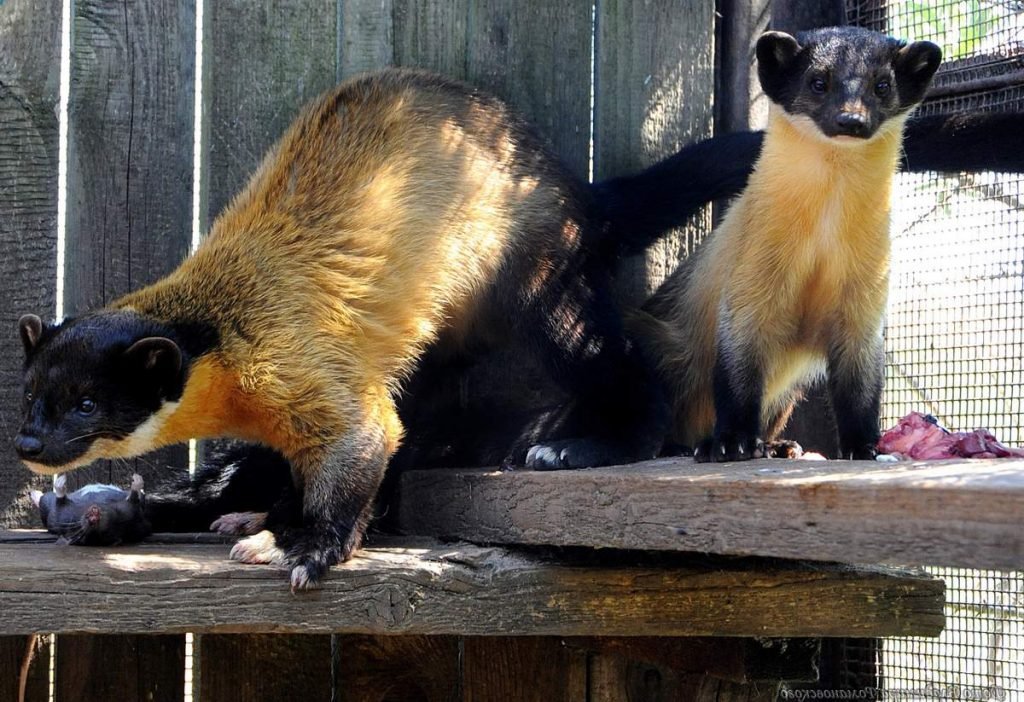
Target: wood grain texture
<point>432,35</point>
<point>955,513</point>
<point>618,679</point>
<point>264,667</point>
<point>263,60</point>
<point>398,668</point>
<point>366,40</point>
<point>13,650</point>
<point>423,587</point>
<point>524,669</point>
<point>123,668</point>
<point>536,56</point>
<point>736,659</point>
<point>740,102</point>
<point>29,96</point>
<point>130,124</point>
<point>655,79</point>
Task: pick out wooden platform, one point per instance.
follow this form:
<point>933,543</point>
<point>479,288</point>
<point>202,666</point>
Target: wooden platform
<point>952,513</point>
<point>426,587</point>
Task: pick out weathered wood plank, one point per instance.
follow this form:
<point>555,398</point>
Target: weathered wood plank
<point>258,667</point>
<point>123,668</point>
<point>366,36</point>
<point>537,57</point>
<point>29,96</point>
<point>423,587</point>
<point>955,513</point>
<point>655,78</point>
<point>130,121</point>
<point>24,668</point>
<point>740,102</point>
<point>398,668</point>
<point>736,659</point>
<point>524,669</point>
<point>257,75</point>
<point>432,35</point>
<point>615,678</point>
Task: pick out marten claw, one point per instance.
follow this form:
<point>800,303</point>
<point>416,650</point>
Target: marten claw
<point>728,449</point>
<point>239,523</point>
<point>259,548</point>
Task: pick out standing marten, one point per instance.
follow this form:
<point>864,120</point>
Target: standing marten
<point>401,211</point>
<point>793,283</point>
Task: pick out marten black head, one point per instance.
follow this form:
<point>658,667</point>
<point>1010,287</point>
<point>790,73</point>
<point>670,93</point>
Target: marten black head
<point>97,378</point>
<point>848,81</point>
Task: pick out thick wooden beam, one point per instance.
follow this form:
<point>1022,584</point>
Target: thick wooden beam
<point>424,587</point>
<point>955,513</point>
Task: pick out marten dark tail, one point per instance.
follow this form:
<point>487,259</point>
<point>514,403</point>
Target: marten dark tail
<point>641,208</point>
<point>237,477</point>
<point>975,141</point>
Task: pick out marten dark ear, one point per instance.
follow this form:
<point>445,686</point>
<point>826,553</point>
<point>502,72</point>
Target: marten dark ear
<point>31,328</point>
<point>159,356</point>
<point>776,52</point>
<point>915,64</point>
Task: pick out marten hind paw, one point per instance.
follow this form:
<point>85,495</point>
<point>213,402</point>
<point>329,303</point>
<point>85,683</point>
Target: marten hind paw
<point>572,454</point>
<point>239,523</point>
<point>259,548</point>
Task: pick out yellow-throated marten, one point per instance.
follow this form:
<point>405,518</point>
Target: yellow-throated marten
<point>794,281</point>
<point>400,211</point>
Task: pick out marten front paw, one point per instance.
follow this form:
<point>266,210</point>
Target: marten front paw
<point>259,548</point>
<point>731,447</point>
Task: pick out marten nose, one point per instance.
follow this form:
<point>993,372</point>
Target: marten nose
<point>852,123</point>
<point>27,446</point>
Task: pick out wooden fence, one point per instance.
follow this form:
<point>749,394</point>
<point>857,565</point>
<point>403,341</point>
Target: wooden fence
<point>623,81</point>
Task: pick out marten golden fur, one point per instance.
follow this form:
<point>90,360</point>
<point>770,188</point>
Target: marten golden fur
<point>400,212</point>
<point>793,283</point>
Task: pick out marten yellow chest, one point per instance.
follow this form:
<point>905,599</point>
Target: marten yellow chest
<point>805,249</point>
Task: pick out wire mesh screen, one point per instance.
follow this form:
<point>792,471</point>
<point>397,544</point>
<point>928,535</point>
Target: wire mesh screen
<point>955,332</point>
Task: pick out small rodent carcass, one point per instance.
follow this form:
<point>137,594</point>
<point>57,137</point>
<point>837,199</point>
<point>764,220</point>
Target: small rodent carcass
<point>95,515</point>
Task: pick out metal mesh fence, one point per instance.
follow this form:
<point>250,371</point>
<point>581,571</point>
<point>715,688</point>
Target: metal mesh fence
<point>955,334</point>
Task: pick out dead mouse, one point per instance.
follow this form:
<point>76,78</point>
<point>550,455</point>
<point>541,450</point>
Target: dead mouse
<point>95,515</point>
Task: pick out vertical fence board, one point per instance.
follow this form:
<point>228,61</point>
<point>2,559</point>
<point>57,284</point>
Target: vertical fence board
<point>537,57</point>
<point>262,60</point>
<point>427,34</point>
<point>431,34</point>
<point>130,135</point>
<point>366,36</point>
<point>264,667</point>
<point>397,668</point>
<point>654,93</point>
<point>129,165</point>
<point>13,652</point>
<point>123,668</point>
<point>29,97</point>
<point>523,669</point>
<point>741,102</point>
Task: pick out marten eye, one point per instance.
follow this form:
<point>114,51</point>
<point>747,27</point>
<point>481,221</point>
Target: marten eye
<point>86,406</point>
<point>818,85</point>
<point>883,88</point>
<point>29,396</point>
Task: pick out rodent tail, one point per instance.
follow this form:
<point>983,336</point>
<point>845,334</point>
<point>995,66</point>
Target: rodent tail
<point>640,208</point>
